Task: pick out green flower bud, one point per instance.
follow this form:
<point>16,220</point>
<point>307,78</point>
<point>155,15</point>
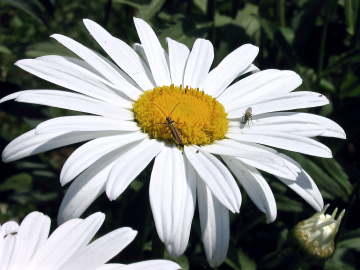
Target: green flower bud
<point>313,238</point>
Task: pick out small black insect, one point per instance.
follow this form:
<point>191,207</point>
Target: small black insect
<point>247,117</point>
<point>320,95</point>
<point>171,125</point>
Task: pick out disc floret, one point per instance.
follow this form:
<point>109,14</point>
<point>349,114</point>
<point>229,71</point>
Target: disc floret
<point>199,117</point>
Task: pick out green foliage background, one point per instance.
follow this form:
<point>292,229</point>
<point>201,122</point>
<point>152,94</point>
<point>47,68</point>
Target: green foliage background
<point>318,39</point>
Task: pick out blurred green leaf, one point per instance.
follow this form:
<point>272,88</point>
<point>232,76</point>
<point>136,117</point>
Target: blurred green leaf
<point>350,239</point>
<point>350,87</point>
<point>321,178</point>
<point>284,203</point>
<point>245,261</point>
<point>350,9</point>
<point>202,5</point>
<point>352,56</point>
<point>186,31</point>
<point>288,34</point>
<point>48,48</point>
<point>19,182</point>
<point>146,12</point>
<point>4,49</point>
<point>247,18</point>
<point>29,6</point>
<point>232,258</point>
<point>337,172</point>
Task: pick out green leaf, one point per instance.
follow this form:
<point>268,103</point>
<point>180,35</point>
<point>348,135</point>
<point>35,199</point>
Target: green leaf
<point>352,56</point>
<point>247,19</point>
<point>186,31</point>
<point>288,34</point>
<point>350,9</point>
<point>327,185</point>
<point>232,258</point>
<point>47,48</point>
<point>29,6</point>
<point>19,182</point>
<point>350,87</point>
<point>337,172</point>
<point>245,261</point>
<point>284,203</point>
<point>201,5</point>
<point>146,12</point>
<point>4,49</point>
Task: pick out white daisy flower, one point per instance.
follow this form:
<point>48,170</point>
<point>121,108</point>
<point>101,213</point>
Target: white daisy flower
<point>28,246</point>
<point>130,101</point>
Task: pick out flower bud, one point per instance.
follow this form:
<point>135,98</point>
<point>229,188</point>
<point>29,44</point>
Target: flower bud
<point>313,238</point>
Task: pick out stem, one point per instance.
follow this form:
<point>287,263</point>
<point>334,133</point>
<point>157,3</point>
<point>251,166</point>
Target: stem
<point>158,247</point>
<point>280,5</point>
<point>296,263</point>
<point>328,7</point>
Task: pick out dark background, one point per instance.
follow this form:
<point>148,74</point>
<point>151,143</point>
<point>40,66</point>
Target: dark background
<point>318,39</point>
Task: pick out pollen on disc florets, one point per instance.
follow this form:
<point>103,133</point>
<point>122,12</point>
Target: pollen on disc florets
<point>199,118</point>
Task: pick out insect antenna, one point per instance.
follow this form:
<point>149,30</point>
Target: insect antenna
<point>173,109</point>
<point>159,108</point>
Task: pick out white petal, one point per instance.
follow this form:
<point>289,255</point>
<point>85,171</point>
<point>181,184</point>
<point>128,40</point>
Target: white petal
<point>238,149</point>
<point>84,67</point>
<point>215,227</point>
<point>216,176</point>
<point>110,71</point>
<point>278,123</point>
<point>9,248</point>
<point>60,247</point>
<point>283,140</point>
<point>88,186</point>
<point>255,185</point>
<point>281,83</point>
<point>84,123</point>
<point>178,246</point>
<point>279,102</point>
<point>251,68</point>
<point>73,79</point>
<point>152,265</point>
<point>123,55</point>
<point>75,102</point>
<point>13,95</point>
<point>256,82</point>
<point>140,50</point>
<point>331,128</point>
<point>90,152</point>
<point>101,250</point>
<point>272,168</point>
<point>111,266</point>
<point>304,186</point>
<point>31,143</point>
<point>178,56</point>
<point>34,230</point>
<point>168,192</point>
<point>154,53</point>
<point>130,165</point>
<point>198,64</point>
<point>228,69</point>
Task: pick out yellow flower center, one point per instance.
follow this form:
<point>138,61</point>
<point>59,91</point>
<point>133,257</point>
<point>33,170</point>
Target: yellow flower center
<point>199,118</point>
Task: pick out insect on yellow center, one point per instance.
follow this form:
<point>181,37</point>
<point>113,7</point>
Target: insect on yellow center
<point>199,118</point>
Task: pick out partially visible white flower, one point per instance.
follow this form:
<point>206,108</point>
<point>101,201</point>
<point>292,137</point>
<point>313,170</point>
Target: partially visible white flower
<point>313,238</point>
<point>27,246</point>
